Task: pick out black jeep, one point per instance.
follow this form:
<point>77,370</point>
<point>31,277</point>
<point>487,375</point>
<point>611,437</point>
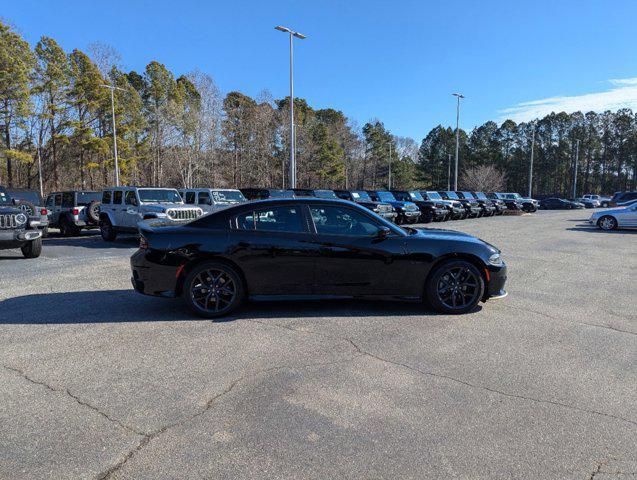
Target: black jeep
<point>361,197</point>
<point>18,229</point>
<point>429,210</point>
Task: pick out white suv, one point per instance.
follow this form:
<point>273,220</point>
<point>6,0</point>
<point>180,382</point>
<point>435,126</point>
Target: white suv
<point>212,199</point>
<point>122,208</point>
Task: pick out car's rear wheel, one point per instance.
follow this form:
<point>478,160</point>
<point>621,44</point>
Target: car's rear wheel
<point>213,289</point>
<point>67,229</point>
<point>607,223</point>
<point>107,231</point>
<point>455,286</point>
<point>32,249</point>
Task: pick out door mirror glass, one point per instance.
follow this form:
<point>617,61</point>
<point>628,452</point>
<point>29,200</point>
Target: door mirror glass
<point>383,232</point>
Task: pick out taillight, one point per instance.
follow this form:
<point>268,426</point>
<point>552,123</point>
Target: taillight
<point>143,243</point>
<point>44,212</point>
<point>75,211</point>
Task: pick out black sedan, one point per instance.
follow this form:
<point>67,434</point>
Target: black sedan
<point>311,248</point>
<point>559,204</point>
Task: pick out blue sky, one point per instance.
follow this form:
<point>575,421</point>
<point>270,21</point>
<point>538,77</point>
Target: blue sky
<point>398,61</point>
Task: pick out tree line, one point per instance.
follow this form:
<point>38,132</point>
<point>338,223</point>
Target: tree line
<point>181,131</point>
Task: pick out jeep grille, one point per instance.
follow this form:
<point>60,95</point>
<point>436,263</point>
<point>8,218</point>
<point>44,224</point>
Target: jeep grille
<point>384,208</point>
<point>184,214</point>
<point>8,221</point>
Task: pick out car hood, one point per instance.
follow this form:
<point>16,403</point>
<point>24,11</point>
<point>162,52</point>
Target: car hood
<point>443,234</point>
<point>162,207</point>
<point>6,209</point>
<point>612,210</point>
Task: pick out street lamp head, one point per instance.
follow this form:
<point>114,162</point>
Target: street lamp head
<point>299,35</point>
<point>290,31</point>
<point>282,29</point>
<point>459,95</point>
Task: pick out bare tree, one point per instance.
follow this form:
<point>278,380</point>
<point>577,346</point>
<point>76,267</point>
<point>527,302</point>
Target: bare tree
<point>483,178</point>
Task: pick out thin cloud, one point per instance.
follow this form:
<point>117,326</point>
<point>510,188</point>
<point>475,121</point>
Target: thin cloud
<point>623,95</point>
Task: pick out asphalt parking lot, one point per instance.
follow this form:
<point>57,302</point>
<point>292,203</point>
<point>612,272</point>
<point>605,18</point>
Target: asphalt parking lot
<point>100,382</point>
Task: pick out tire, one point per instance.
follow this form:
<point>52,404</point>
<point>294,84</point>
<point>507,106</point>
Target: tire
<point>93,211</point>
<point>45,232</point>
<point>32,249</point>
<point>607,223</point>
<point>462,279</point>
<point>106,229</point>
<point>426,217</point>
<point>213,289</point>
<point>67,229</point>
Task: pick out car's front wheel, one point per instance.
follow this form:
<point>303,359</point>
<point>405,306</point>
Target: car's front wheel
<point>107,231</point>
<point>607,223</point>
<point>32,249</point>
<point>455,286</point>
<point>213,289</point>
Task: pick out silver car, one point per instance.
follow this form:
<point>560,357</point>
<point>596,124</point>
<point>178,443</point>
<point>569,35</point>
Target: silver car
<point>616,218</point>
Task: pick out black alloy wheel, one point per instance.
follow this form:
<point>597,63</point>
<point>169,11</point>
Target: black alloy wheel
<point>213,289</point>
<point>456,286</point>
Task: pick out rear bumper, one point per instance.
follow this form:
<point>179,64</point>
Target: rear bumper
<point>151,278</point>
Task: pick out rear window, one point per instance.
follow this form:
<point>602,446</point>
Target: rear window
<point>84,198</point>
<point>68,199</point>
<point>117,197</point>
<point>325,194</point>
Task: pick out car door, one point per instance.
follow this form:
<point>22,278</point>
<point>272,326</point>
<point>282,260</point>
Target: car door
<point>629,217</point>
<point>130,211</point>
<point>353,260</point>
<point>273,248</point>
<point>118,207</point>
<point>54,213</point>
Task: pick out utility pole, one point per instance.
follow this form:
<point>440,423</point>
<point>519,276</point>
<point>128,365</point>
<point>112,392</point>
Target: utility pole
<point>575,173</point>
<point>112,88</point>
<point>40,172</point>
<point>455,174</point>
<point>292,33</point>
<point>389,179</point>
<point>448,172</point>
<point>531,163</point>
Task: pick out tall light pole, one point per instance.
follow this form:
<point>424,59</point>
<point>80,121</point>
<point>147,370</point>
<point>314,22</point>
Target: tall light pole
<point>292,33</point>
<point>575,172</point>
<point>455,173</point>
<point>389,176</point>
<point>448,171</point>
<point>531,163</point>
<point>112,88</point>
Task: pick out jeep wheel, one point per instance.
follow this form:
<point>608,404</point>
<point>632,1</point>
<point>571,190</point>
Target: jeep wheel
<point>213,289</point>
<point>67,229</point>
<point>455,286</point>
<point>93,211</point>
<point>108,232</point>
<point>32,249</point>
<point>427,217</point>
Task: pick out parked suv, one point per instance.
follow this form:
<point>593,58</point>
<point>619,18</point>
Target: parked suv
<point>486,208</point>
<point>471,207</point>
<point>511,203</point>
<point>361,197</point>
<point>498,205</point>
<point>621,198</point>
<point>430,210</point>
<point>211,199</point>
<point>455,209</point>
<point>123,208</point>
<point>32,202</point>
<point>528,204</point>
<point>408,212</point>
<point>17,228</point>
<point>603,201</point>
<point>73,211</point>
<point>262,193</point>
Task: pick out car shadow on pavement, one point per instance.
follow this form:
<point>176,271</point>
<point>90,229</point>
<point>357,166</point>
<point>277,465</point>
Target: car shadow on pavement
<point>593,229</point>
<point>124,306</point>
<point>90,240</point>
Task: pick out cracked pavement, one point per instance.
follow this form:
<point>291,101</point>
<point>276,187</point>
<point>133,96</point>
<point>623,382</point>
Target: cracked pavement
<point>99,382</point>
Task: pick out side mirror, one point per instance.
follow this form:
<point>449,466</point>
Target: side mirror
<point>383,232</point>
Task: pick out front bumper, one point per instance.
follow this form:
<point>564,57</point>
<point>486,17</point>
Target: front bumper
<point>411,214</point>
<point>497,277</point>
<point>17,238</point>
<point>391,216</point>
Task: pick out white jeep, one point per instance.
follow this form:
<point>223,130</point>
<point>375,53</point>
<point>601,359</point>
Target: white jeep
<point>122,208</point>
<point>212,199</point>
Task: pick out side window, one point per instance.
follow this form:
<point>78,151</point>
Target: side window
<point>130,198</point>
<point>274,219</point>
<point>49,201</point>
<point>106,197</point>
<point>68,199</point>
<point>342,221</point>
<point>117,197</point>
<point>204,198</point>
<point>190,197</point>
<point>58,200</point>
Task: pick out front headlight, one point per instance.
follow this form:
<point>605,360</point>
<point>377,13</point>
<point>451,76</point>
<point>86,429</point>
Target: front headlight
<point>495,259</point>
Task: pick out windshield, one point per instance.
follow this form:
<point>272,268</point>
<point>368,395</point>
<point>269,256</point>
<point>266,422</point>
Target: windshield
<point>481,196</point>
<point>385,197</point>
<point>467,195</point>
<point>5,198</point>
<point>152,195</point>
<point>361,196</point>
<point>434,196</point>
<point>227,196</point>
<point>512,196</point>
<point>416,196</point>
<point>27,195</point>
<point>84,198</point>
<point>282,193</point>
<point>325,194</point>
<point>453,195</point>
